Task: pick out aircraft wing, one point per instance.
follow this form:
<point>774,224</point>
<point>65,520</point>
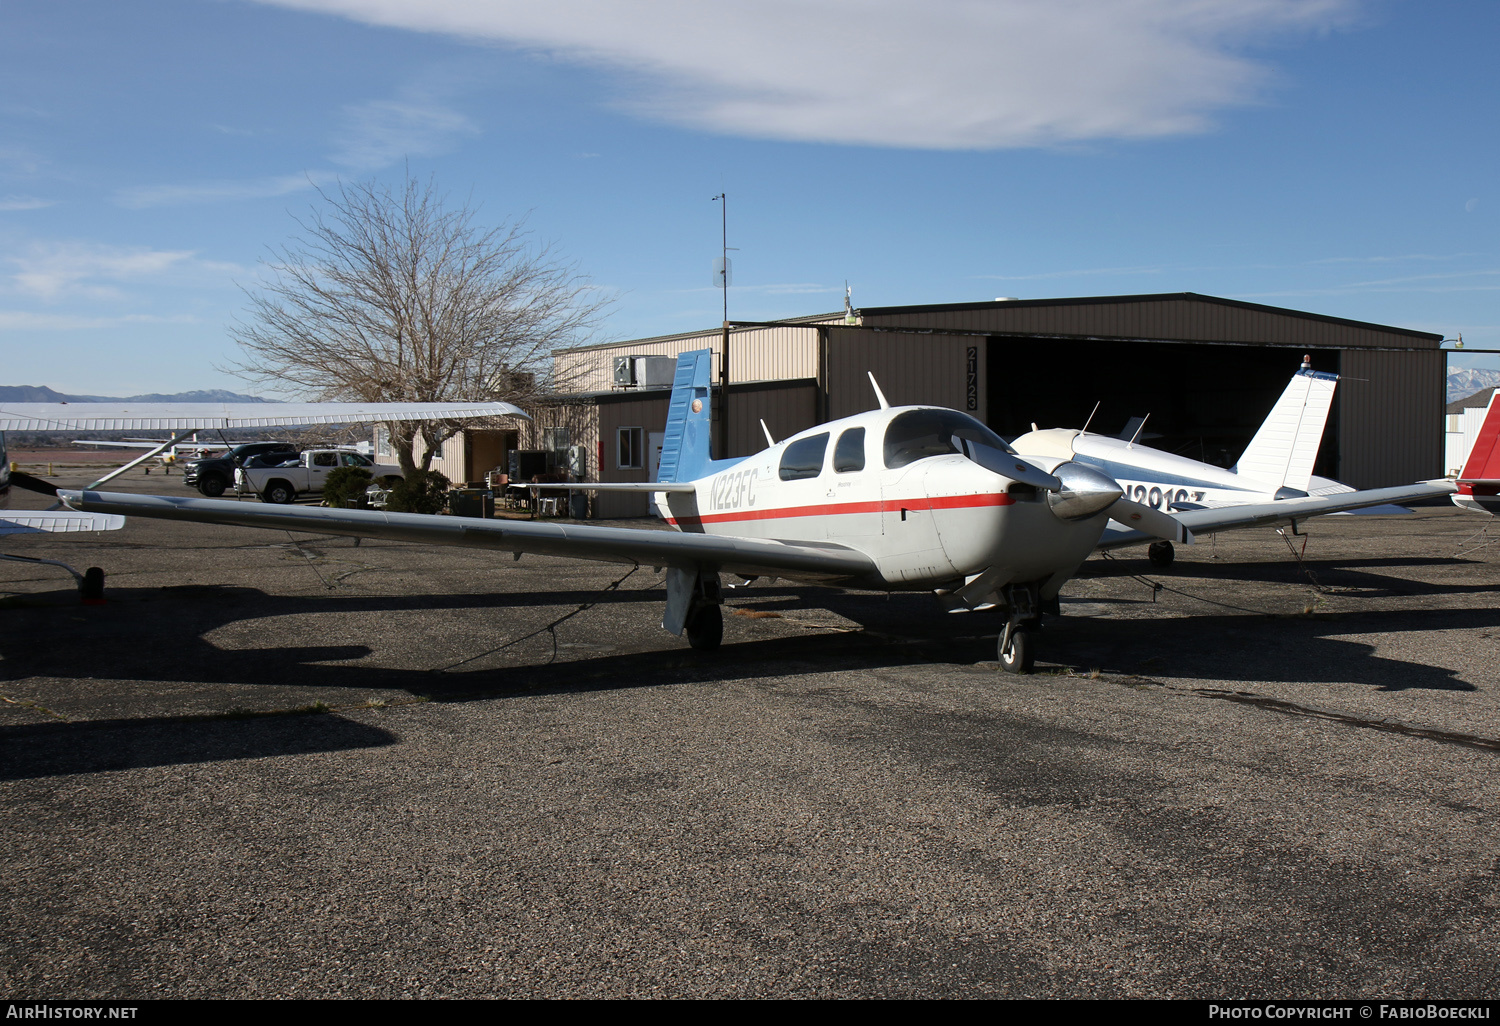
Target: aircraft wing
<point>1282,511</point>
<point>207,416</point>
<point>56,521</point>
<point>820,562</point>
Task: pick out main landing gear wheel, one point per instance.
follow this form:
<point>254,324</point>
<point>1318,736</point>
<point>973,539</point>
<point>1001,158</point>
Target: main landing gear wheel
<point>1019,655</point>
<point>705,629</point>
<point>1161,553</point>
<point>91,587</point>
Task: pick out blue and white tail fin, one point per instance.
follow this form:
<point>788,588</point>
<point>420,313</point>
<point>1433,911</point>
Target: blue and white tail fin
<point>685,451</point>
<point>1283,451</point>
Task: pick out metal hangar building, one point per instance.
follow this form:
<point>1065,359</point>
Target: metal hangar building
<point>1203,371</point>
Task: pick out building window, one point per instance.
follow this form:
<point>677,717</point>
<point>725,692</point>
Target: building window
<point>632,448</point>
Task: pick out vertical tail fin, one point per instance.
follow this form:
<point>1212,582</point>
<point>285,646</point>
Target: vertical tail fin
<point>685,453</point>
<point>1283,451</point>
<point>1483,463</point>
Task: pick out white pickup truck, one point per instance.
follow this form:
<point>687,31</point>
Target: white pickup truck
<point>305,473</point>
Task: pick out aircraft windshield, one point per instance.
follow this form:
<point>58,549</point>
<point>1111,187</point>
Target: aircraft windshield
<point>918,434</point>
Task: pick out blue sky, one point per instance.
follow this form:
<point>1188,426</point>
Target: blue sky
<point>1337,156</point>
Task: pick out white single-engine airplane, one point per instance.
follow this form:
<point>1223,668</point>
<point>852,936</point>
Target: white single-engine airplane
<point>1479,481</point>
<point>1276,465</point>
<point>182,419</point>
<point>912,498</point>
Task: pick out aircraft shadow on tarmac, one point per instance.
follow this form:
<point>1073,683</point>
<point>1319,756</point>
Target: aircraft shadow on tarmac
<point>50,750</point>
<point>127,644</point>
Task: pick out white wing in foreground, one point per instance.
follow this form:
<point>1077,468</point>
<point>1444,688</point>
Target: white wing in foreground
<point>56,521</point>
<point>207,416</point>
<point>805,561</point>
<point>1282,511</point>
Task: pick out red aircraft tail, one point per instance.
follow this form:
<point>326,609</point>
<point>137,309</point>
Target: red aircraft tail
<point>1479,483</point>
<point>1483,463</point>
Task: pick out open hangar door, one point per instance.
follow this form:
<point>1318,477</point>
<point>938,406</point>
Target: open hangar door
<point>1204,401</point>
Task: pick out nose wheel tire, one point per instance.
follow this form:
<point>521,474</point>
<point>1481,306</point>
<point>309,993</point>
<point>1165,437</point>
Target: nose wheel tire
<point>1018,653</point>
<point>705,628</point>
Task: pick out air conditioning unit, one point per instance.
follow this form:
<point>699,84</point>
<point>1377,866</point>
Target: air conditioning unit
<point>655,371</point>
<point>624,371</point>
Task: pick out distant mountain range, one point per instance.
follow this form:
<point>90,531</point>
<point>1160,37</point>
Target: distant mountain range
<point>1464,383</point>
<point>43,394</point>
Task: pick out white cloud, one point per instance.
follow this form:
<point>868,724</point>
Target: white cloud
<point>140,196</point>
<point>946,74</point>
<point>382,132</point>
<point>25,203</point>
<point>25,320</point>
<point>57,270</point>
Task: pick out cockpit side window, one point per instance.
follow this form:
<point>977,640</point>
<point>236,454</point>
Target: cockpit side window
<point>804,457</point>
<point>849,454</point>
<point>918,434</point>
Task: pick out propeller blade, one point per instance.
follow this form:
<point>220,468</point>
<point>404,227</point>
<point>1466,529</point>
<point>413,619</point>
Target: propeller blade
<point>32,484</point>
<point>1151,521</point>
<point>1008,464</point>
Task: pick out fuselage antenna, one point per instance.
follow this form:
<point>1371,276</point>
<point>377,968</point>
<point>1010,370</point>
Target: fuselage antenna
<point>1141,427</point>
<point>1091,418</point>
<point>879,395</point>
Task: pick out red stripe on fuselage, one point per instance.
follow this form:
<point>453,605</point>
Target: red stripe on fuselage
<point>841,508</point>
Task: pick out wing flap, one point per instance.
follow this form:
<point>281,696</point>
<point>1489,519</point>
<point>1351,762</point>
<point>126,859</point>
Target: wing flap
<point>52,521</point>
<point>808,561</point>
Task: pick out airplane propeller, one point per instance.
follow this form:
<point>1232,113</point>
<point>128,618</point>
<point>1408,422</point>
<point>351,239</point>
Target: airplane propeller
<point>1086,492</point>
<point>32,484</point>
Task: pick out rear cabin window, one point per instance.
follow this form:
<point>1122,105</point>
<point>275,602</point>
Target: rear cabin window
<point>918,434</point>
<point>804,457</point>
<point>354,459</point>
<point>849,454</point>
<point>325,459</point>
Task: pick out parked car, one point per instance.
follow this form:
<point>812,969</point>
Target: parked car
<point>305,476</point>
<point>213,476</point>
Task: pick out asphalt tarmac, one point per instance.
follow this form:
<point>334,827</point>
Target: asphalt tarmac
<point>277,766</point>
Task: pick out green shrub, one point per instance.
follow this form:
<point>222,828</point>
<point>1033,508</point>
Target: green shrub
<point>425,491</point>
<point>344,484</point>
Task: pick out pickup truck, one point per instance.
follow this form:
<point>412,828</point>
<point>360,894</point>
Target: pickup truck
<point>214,475</point>
<point>305,473</point>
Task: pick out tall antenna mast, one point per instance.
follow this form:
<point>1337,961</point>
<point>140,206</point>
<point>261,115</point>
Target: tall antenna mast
<point>721,275</point>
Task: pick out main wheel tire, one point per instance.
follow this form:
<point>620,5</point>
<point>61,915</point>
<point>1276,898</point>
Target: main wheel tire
<point>1161,554</point>
<point>279,492</point>
<point>91,590</point>
<point>212,485</point>
<point>705,628</point>
<point>1020,657</point>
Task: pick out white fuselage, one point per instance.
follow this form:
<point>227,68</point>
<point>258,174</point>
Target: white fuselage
<point>1149,476</point>
<point>927,523</point>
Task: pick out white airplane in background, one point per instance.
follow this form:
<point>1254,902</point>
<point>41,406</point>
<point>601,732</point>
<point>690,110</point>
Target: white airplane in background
<point>913,498</point>
<point>182,419</point>
<point>1276,465</point>
<point>1479,481</point>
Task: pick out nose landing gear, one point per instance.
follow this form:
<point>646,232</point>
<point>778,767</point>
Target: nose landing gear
<point>1017,650</point>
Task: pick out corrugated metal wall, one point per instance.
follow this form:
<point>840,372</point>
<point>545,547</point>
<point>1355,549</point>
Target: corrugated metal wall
<point>1167,317</point>
<point>912,368</point>
<point>1391,417</point>
<point>756,354</point>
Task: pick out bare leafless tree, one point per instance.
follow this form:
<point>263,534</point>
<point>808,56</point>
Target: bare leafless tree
<point>394,296</point>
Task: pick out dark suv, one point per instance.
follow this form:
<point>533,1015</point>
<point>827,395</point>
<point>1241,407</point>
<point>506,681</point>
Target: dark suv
<point>213,477</point>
